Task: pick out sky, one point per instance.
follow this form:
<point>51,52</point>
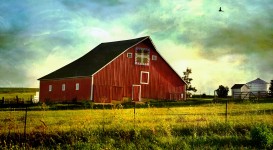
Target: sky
<point>221,48</point>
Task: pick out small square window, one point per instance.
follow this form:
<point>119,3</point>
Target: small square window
<point>154,57</point>
<point>63,87</point>
<point>50,88</point>
<point>129,55</point>
<point>77,86</point>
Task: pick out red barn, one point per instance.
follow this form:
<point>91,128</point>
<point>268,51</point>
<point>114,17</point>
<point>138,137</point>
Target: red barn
<point>129,69</point>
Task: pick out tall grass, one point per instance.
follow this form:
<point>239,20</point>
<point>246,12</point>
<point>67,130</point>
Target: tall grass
<point>198,127</point>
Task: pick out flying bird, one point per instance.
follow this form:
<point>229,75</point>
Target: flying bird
<point>220,10</point>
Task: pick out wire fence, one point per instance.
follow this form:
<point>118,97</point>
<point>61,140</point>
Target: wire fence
<point>20,123</point>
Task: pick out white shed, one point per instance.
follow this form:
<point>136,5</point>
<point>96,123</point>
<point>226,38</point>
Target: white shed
<point>258,86</point>
<point>240,91</point>
<point>36,98</point>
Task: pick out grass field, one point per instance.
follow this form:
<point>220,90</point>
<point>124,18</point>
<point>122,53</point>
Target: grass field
<point>24,94</point>
<point>201,126</point>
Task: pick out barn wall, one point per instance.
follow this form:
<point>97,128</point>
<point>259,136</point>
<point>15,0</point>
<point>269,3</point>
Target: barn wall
<point>118,77</point>
<point>70,92</point>
<point>245,89</point>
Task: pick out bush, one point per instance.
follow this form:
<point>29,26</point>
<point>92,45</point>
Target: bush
<point>262,136</point>
<point>222,91</point>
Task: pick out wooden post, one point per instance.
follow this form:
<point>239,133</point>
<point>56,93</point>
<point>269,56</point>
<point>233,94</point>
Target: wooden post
<point>25,127</point>
<point>135,115</point>
<point>17,99</point>
<point>3,100</point>
<point>226,110</point>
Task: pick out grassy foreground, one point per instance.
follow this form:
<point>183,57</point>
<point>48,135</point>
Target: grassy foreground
<point>248,126</point>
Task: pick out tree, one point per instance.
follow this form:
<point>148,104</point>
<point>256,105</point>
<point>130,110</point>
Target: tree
<point>271,89</point>
<point>222,91</point>
<point>188,80</point>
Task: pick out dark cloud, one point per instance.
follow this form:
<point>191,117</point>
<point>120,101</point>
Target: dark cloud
<point>29,32</point>
<point>252,37</point>
<point>249,34</point>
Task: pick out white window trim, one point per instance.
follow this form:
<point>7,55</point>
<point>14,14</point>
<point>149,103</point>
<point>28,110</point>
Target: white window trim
<point>130,55</point>
<point>139,94</point>
<point>50,88</point>
<point>77,86</point>
<point>63,87</point>
<point>154,57</point>
<point>144,72</point>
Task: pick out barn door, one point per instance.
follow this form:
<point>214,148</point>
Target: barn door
<point>117,93</point>
<point>136,92</point>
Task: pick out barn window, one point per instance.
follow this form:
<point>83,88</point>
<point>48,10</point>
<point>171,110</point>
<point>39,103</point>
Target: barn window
<point>144,77</point>
<point>63,87</point>
<point>154,57</point>
<point>77,86</point>
<point>129,55</point>
<point>50,88</point>
<point>142,56</point>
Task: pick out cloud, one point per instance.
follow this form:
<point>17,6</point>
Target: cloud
<point>37,37</point>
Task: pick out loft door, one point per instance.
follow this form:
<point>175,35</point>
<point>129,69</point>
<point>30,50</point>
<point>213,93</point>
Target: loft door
<point>136,92</point>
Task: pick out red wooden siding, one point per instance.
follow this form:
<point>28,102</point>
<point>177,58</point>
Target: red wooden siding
<point>70,92</point>
<point>163,83</point>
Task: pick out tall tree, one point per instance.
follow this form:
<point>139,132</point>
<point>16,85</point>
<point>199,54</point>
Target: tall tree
<point>188,80</point>
<point>222,91</point>
<point>271,89</point>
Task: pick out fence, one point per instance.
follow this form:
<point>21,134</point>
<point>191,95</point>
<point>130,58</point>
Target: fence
<point>23,124</point>
<point>250,95</point>
<point>16,100</point>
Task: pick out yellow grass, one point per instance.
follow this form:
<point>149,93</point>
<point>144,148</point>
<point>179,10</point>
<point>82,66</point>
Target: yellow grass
<point>144,118</point>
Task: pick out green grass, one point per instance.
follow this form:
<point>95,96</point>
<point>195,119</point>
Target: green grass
<point>199,126</point>
<point>23,94</point>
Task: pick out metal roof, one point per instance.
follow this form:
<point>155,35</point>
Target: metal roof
<point>238,86</point>
<point>94,60</point>
<point>257,81</point>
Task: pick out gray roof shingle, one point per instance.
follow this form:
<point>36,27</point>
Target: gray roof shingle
<point>237,86</point>
<point>94,60</point>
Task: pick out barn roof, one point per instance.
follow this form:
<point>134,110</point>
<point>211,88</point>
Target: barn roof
<point>257,81</point>
<point>237,86</point>
<point>94,60</point>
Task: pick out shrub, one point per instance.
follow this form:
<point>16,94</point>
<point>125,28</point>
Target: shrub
<point>262,136</point>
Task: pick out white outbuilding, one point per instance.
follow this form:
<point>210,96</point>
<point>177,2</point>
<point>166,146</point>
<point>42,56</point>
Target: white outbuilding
<point>240,91</point>
<point>258,87</point>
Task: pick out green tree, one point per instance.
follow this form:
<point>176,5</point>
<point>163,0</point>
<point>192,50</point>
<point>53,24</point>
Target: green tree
<point>222,91</point>
<point>271,89</point>
<point>188,80</point>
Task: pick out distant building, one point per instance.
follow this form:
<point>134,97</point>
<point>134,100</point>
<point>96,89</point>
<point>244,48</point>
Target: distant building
<point>240,91</point>
<point>258,87</point>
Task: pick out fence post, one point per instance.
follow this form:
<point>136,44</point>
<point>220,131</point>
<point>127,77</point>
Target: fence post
<point>226,110</point>
<point>17,99</point>
<point>25,127</point>
<point>135,115</point>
